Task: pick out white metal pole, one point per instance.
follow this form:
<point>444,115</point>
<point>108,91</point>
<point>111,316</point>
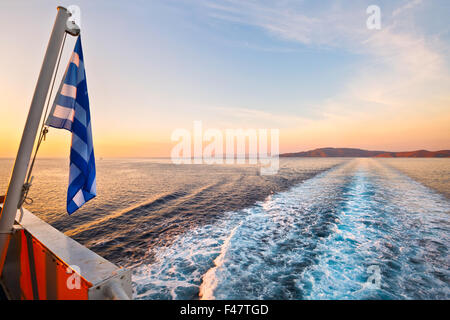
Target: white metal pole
<point>14,192</point>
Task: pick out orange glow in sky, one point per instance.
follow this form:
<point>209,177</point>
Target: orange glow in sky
<point>164,67</point>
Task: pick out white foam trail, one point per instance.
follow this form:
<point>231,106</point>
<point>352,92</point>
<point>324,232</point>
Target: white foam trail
<point>387,221</point>
<point>314,241</point>
<point>210,280</point>
<point>178,270</point>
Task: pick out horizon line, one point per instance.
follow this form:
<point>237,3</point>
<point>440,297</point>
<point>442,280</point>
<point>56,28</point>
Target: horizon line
<point>246,155</point>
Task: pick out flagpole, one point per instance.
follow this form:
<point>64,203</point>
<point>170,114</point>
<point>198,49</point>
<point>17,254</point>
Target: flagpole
<point>14,193</point>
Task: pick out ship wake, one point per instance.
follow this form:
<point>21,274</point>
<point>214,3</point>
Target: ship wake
<point>318,240</point>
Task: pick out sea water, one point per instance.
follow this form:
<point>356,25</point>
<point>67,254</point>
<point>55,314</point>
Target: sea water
<point>322,228</point>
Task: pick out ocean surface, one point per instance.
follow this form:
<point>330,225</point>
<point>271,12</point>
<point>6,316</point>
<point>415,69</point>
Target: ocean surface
<point>322,228</point>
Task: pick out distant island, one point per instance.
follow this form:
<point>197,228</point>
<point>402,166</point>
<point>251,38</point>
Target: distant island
<point>350,152</point>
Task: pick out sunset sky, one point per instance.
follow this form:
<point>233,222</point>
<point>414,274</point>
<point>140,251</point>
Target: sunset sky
<point>309,68</point>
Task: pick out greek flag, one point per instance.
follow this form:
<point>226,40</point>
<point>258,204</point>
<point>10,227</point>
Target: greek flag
<point>71,111</point>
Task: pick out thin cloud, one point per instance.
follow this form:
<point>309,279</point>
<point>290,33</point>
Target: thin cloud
<point>402,67</point>
<point>239,116</point>
<point>408,6</point>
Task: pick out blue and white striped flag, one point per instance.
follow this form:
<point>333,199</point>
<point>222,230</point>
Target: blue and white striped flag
<point>71,111</point>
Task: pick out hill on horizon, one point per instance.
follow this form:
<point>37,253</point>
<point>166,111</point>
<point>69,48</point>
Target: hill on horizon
<point>360,153</point>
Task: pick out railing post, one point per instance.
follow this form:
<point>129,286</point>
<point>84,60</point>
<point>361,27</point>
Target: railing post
<point>17,180</point>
